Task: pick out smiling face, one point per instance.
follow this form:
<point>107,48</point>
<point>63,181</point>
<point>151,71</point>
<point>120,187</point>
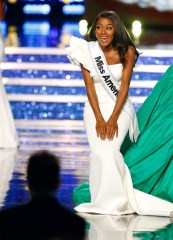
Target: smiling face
<point>105,31</point>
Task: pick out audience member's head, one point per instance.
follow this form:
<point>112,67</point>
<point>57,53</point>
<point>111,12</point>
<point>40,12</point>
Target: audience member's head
<point>43,173</point>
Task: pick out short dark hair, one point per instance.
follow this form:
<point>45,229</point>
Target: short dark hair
<point>43,172</point>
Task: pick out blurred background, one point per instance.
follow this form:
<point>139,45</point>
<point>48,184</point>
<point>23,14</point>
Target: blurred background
<point>51,22</point>
<point>47,94</point>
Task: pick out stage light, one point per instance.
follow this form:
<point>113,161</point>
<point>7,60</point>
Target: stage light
<point>3,27</point>
<point>43,9</point>
<point>12,1</point>
<point>83,27</point>
<point>39,28</point>
<point>71,28</point>
<point>73,9</point>
<point>136,28</point>
<point>70,1</point>
<point>137,24</point>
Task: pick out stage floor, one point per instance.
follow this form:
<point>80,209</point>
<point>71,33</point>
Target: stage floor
<point>67,139</point>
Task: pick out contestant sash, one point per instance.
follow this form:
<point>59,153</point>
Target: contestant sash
<point>112,86</point>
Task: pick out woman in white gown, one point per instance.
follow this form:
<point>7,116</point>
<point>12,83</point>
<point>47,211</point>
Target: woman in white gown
<point>107,63</point>
<point>8,134</point>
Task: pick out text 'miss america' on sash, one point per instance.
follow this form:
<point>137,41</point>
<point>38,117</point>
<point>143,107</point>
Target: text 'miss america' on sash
<point>107,78</point>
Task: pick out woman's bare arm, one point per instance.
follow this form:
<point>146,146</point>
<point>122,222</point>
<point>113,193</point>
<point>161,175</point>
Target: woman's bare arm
<point>112,126</point>
<point>92,97</point>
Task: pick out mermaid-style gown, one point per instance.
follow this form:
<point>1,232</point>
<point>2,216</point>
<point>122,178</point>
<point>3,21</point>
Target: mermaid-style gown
<point>8,134</point>
<point>139,181</point>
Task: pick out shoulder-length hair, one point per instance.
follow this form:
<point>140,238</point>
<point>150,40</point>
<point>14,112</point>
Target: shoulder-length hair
<point>121,40</point>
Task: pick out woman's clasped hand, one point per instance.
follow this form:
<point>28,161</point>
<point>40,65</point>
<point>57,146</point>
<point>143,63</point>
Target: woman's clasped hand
<point>107,130</point>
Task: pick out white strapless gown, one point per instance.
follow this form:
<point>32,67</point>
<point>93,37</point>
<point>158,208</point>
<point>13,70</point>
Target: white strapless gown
<point>8,135</point>
<point>110,182</point>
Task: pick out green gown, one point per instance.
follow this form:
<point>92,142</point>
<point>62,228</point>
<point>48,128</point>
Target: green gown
<point>150,158</point>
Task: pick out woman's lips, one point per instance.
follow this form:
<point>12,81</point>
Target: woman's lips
<point>104,39</point>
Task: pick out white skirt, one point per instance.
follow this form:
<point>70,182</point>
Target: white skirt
<point>8,134</point>
<point>110,182</point>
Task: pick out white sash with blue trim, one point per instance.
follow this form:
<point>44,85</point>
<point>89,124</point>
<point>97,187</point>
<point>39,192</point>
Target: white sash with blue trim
<point>112,86</point>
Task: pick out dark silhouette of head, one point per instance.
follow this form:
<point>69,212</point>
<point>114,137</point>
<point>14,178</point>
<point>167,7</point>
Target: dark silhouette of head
<point>43,173</point>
